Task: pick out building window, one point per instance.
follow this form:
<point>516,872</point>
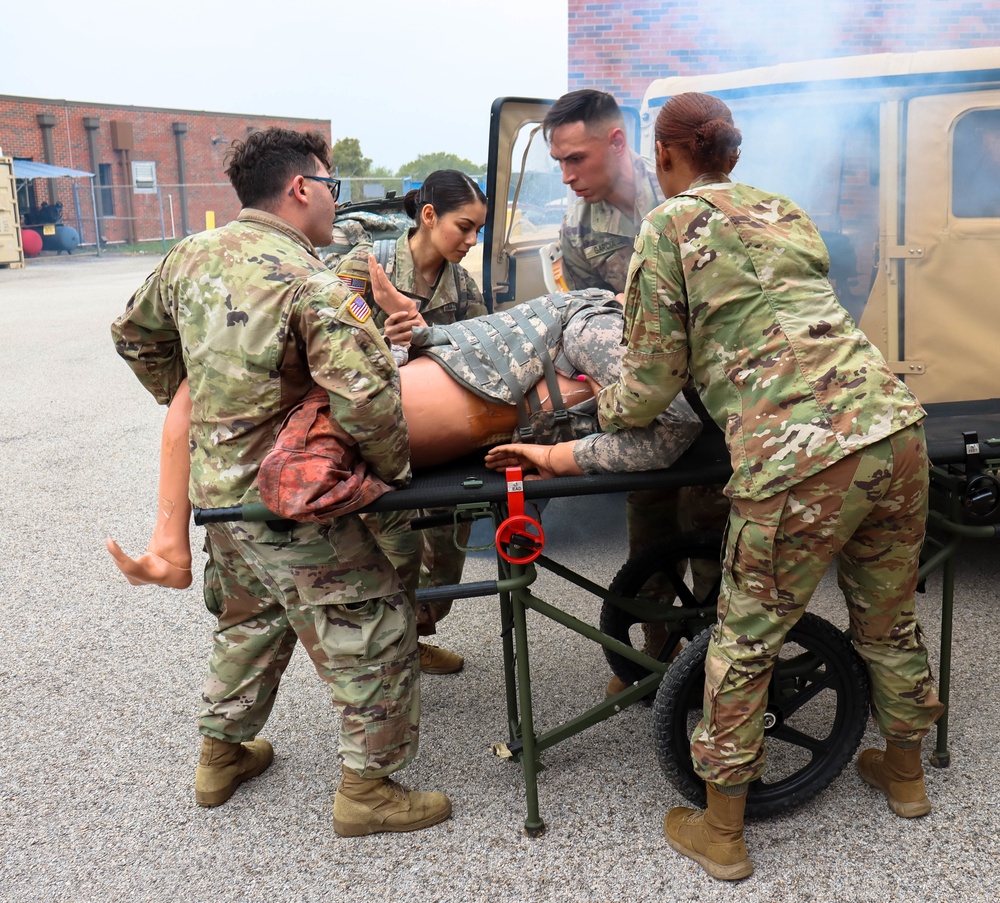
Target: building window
<point>143,177</point>
<point>105,179</point>
<point>975,170</point>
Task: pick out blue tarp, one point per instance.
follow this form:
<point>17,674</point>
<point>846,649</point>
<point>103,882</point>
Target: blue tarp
<point>28,169</point>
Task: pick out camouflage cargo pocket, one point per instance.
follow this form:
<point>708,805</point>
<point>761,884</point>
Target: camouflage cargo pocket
<point>748,560</point>
<point>350,570</point>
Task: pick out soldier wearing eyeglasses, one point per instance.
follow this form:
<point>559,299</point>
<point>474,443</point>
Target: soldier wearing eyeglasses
<point>252,317</point>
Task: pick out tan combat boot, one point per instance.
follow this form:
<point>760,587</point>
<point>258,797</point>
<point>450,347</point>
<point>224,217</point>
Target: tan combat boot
<point>224,766</point>
<point>899,774</point>
<point>714,837</point>
<point>375,805</point>
<point>435,660</point>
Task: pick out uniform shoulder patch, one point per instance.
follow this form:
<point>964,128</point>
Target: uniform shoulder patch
<point>359,309</point>
<point>354,283</point>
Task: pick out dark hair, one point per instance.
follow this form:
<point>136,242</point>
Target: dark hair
<point>260,165</point>
<point>701,125</point>
<point>445,190</point>
<point>587,106</point>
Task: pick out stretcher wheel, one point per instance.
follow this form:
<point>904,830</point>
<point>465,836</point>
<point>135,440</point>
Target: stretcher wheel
<point>816,715</point>
<point>679,572</point>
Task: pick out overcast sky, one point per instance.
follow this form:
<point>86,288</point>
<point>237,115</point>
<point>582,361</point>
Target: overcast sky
<point>405,77</point>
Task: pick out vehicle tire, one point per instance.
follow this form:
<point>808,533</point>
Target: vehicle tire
<point>816,716</point>
<point>663,570</point>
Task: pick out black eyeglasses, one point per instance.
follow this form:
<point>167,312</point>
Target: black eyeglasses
<point>332,184</point>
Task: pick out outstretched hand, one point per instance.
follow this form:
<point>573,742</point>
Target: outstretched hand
<point>149,568</point>
<point>548,460</point>
<point>402,310</point>
<point>524,455</point>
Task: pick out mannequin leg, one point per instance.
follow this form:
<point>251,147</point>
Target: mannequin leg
<point>167,561</point>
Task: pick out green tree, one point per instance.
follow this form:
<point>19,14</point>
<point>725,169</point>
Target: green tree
<point>348,160</point>
<point>425,164</point>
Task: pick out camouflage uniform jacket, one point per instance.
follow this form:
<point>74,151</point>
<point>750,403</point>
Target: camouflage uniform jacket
<point>729,284</point>
<point>597,239</point>
<point>254,319</point>
<point>455,297</point>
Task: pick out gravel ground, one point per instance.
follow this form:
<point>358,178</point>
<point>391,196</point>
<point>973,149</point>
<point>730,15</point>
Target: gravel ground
<point>98,740</point>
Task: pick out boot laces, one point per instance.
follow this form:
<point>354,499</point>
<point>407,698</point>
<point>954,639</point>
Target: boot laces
<point>399,791</point>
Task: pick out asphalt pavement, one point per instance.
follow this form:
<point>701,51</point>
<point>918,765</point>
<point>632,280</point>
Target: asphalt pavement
<point>100,685</point>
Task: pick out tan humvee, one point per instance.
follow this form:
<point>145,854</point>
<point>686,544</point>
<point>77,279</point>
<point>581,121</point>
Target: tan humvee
<point>895,156</point>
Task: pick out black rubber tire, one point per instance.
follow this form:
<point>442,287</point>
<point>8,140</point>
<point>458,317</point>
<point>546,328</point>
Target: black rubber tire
<point>819,717</point>
<point>660,559</point>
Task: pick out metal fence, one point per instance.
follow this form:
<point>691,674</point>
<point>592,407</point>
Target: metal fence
<point>125,215</point>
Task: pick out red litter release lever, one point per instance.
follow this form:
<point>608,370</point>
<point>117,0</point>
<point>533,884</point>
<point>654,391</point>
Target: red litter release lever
<point>517,524</point>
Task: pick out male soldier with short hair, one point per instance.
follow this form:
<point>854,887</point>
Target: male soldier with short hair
<point>254,319</point>
<point>615,189</point>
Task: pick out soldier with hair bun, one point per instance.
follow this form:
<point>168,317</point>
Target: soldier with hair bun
<point>728,285</point>
<point>449,209</point>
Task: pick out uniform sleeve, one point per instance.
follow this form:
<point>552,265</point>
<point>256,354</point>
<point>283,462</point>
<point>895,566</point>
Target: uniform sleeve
<point>643,448</point>
<point>348,358</point>
<point>146,337</point>
<point>654,367</point>
<point>353,272</point>
<point>577,271</point>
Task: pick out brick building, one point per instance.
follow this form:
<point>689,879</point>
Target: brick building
<point>145,159</point>
<point>620,46</point>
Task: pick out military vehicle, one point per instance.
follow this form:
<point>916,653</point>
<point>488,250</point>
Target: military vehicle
<point>895,156</point>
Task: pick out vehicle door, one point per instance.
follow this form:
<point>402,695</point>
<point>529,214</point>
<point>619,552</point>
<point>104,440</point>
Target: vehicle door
<point>951,241</point>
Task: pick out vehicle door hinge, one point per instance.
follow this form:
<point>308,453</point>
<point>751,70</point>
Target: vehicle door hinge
<point>904,367</point>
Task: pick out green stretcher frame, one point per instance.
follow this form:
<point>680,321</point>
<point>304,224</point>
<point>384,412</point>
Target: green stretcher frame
<point>483,494</point>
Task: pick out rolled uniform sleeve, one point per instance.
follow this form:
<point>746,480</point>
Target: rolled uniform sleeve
<point>654,367</point>
<point>349,359</point>
<point>146,337</point>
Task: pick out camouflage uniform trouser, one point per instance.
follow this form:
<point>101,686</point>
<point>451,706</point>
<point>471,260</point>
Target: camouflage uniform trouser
<point>422,558</point>
<point>365,651</point>
<point>868,511</point>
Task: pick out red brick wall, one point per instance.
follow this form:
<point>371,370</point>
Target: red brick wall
<point>207,186</point>
<point>620,46</point>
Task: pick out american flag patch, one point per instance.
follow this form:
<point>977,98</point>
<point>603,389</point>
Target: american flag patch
<point>359,310</point>
<point>355,283</point>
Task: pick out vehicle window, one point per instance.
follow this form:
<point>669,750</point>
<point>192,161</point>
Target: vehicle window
<point>975,169</point>
<point>542,197</point>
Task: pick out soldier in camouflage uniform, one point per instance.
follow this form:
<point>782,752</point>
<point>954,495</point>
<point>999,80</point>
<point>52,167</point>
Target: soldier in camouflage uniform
<point>729,284</point>
<point>449,210</point>
<point>252,317</point>
<point>615,189</point>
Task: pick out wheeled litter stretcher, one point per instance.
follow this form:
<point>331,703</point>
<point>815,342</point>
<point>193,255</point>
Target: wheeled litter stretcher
<point>817,705</point>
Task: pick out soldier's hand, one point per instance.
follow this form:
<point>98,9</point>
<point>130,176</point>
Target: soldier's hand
<point>399,327</point>
<point>387,296</point>
<point>549,460</point>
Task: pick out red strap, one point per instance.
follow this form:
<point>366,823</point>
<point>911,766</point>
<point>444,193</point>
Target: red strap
<point>515,492</point>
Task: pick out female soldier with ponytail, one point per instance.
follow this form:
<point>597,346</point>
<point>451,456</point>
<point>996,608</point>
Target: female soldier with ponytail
<point>449,209</point>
